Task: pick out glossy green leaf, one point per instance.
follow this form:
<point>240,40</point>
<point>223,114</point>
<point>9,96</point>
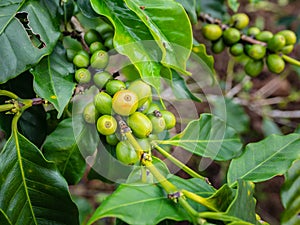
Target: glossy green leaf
<point>32,191</point>
<point>290,195</point>
<point>19,51</point>
<point>8,11</point>
<point>265,159</point>
<point>202,57</point>
<point>53,79</point>
<point>208,137</point>
<point>234,114</point>
<point>234,5</point>
<point>190,7</point>
<point>86,8</point>
<point>130,39</point>
<point>243,200</point>
<point>148,202</point>
<point>161,17</point>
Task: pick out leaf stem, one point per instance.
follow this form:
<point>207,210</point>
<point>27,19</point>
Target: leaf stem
<point>8,94</point>
<point>291,60</point>
<point>181,165</point>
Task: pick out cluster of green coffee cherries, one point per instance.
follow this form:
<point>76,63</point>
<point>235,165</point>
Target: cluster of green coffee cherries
<point>130,102</point>
<point>265,46</point>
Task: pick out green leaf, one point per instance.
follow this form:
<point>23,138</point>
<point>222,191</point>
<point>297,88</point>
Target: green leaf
<point>190,7</point>
<point>270,127</point>
<point>32,191</point>
<point>19,51</point>
<point>203,58</point>
<point>265,159</point>
<point>85,208</point>
<point>8,11</point>
<point>234,5</point>
<point>130,39</point>
<point>148,202</point>
<point>234,114</point>
<point>243,200</point>
<point>86,8</point>
<point>180,88</point>
<point>208,137</point>
<point>4,220</point>
<point>215,8</point>
<point>53,79</point>
<point>161,17</point>
<point>290,195</point>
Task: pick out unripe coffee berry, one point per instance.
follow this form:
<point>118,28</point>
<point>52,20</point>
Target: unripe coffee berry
<point>103,103</point>
<point>125,102</point>
<point>83,76</point>
<point>106,125</point>
<point>212,32</point>
<point>99,59</point>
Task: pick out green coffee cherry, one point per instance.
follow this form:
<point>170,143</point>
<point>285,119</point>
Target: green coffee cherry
<point>264,36</point>
<point>253,31</point>
<point>237,49</point>
<point>91,36</point>
<point>144,108</point>
<point>276,43</point>
<point>231,36</point>
<point>99,59</point>
<point>104,28</point>
<point>140,124</point>
<point>90,113</point>
<point>257,51</point>
<point>218,46</point>
<point>169,119</point>
<point>142,90</point>
<point>126,154</point>
<point>153,106</point>
<point>287,49</point>
<point>125,102</point>
<point>109,43</point>
<point>254,67</point>
<point>113,86</point>
<point>96,46</point>
<point>112,139</point>
<point>212,32</point>
<point>83,76</point>
<point>103,103</point>
<point>71,54</point>
<point>240,20</point>
<point>101,79</point>
<point>275,63</point>
<point>106,125</point>
<point>290,36</point>
<point>158,124</point>
<point>81,59</point>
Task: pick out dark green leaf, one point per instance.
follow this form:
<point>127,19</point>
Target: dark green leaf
<point>216,8</point>
<point>53,79</point>
<point>234,5</point>
<point>233,114</point>
<point>161,17</point>
<point>222,198</point>
<point>180,88</point>
<point>8,10</point>
<point>86,8</point>
<point>148,202</point>
<point>190,7</point>
<point>265,159</point>
<point>129,39</point>
<point>243,200</point>
<point>85,208</point>
<point>19,51</point>
<point>32,191</point>
<point>290,195</point>
<point>4,220</point>
<point>209,137</point>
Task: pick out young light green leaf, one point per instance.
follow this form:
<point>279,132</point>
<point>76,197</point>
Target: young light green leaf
<point>130,39</point>
<point>208,136</point>
<point>53,79</point>
<point>19,51</point>
<point>148,202</point>
<point>265,159</point>
<point>32,191</point>
<point>290,195</point>
<point>175,46</point>
<point>234,5</point>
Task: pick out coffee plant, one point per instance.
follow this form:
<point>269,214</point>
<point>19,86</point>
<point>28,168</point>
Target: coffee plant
<point>108,90</point>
